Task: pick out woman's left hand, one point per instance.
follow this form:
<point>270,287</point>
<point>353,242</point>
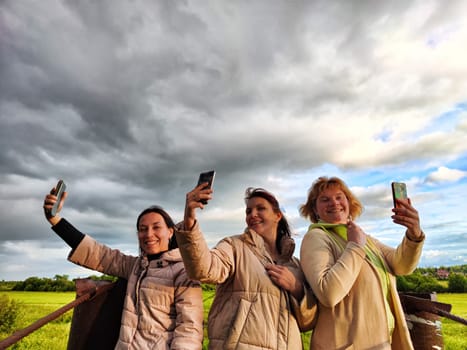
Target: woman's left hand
<point>406,215</point>
<point>285,279</point>
<point>193,201</point>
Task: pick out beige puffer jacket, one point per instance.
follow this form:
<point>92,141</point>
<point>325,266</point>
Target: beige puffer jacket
<point>249,311</point>
<point>163,308</point>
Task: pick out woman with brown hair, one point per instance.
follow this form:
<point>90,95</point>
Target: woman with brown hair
<point>261,299</point>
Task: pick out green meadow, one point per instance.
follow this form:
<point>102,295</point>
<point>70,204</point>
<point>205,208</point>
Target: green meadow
<point>454,333</point>
<point>34,306</point>
<point>54,335</point>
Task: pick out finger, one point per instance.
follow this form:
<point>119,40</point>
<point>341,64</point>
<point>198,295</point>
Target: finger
<point>405,221</point>
<point>49,199</point>
<point>275,267</point>
<point>191,197</point>
<point>405,204</point>
<point>201,186</point>
<point>407,214</point>
<point>47,206</point>
<point>405,211</point>
<point>196,196</point>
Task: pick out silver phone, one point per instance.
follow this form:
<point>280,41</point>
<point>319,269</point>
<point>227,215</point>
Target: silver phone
<point>59,189</point>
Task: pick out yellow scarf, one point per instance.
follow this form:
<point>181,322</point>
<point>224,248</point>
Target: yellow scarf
<point>373,255</point>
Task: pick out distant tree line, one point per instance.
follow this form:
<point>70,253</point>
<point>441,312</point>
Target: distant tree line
<point>423,280</point>
<point>60,283</point>
<point>420,283</point>
<point>432,271</point>
<point>426,280</point>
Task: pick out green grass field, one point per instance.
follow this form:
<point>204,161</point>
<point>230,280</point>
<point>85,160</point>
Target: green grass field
<point>54,335</point>
<point>454,333</point>
<point>34,306</point>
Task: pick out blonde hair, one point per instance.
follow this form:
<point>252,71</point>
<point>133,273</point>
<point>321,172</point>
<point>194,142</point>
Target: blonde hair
<point>308,210</point>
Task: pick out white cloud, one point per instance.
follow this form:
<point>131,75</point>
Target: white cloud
<point>444,174</point>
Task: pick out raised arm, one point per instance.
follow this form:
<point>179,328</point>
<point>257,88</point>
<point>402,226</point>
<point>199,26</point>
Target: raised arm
<point>62,228</point>
<point>201,263</point>
<point>193,201</point>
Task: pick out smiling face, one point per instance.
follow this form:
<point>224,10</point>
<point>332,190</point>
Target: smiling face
<point>153,233</point>
<point>261,217</point>
<point>332,206</point>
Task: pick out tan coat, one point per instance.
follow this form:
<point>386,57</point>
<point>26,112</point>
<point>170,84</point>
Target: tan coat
<point>163,308</point>
<point>249,311</point>
<point>351,306</point>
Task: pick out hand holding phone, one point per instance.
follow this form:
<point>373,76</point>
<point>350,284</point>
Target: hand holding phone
<point>59,189</point>
<point>399,191</point>
<point>208,177</point>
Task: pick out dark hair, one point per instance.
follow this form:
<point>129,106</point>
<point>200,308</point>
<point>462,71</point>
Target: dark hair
<point>283,228</point>
<point>168,221</point>
<point>308,210</point>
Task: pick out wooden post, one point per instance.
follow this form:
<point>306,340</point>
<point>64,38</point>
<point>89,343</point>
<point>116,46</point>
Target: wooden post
<point>423,319</point>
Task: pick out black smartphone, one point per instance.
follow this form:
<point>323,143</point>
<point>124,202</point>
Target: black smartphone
<point>207,176</point>
<point>399,191</point>
<point>59,189</point>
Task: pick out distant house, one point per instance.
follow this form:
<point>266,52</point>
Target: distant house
<point>442,274</point>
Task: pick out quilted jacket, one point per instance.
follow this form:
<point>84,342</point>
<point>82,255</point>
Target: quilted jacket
<point>163,308</point>
<point>249,311</point>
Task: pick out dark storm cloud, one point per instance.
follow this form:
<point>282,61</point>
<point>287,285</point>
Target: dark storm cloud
<point>129,101</point>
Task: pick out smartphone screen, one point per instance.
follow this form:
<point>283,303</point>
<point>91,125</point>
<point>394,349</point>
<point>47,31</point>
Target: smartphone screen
<point>399,191</point>
<point>208,177</point>
<point>59,189</point>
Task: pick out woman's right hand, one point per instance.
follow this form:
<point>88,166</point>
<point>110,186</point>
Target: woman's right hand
<point>193,201</point>
<point>284,278</point>
<point>49,202</point>
<point>355,233</point>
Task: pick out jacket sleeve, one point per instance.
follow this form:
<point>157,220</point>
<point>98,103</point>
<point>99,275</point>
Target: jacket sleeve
<point>208,266</point>
<point>68,233</point>
<point>188,333</point>
<point>404,259</point>
<point>96,256</point>
<point>330,278</point>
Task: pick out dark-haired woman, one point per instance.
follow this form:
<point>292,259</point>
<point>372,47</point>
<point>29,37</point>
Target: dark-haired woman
<point>261,301</point>
<point>163,308</point>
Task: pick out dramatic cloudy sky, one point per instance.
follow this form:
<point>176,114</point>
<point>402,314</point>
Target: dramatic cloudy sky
<point>128,101</point>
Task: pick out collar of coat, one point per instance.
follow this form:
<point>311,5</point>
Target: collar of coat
<point>166,258</point>
<point>256,241</point>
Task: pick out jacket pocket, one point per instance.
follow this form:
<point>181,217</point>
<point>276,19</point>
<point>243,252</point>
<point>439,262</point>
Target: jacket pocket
<point>238,324</point>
